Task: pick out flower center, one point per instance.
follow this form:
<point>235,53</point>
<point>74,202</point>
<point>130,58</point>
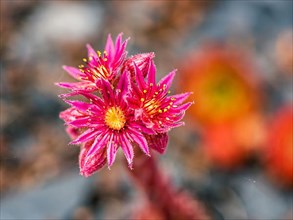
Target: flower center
<point>101,72</point>
<point>115,118</point>
<point>151,106</point>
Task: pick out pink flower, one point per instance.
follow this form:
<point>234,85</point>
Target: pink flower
<point>108,124</point>
<point>122,109</point>
<point>152,104</point>
<point>98,66</point>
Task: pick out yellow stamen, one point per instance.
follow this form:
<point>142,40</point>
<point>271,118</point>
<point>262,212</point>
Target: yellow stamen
<point>115,118</point>
<point>151,106</point>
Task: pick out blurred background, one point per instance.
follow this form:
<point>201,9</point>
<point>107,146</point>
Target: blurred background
<point>235,152</point>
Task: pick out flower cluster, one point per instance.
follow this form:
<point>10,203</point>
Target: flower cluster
<point>125,106</point>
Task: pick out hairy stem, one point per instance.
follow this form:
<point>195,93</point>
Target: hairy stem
<point>161,194</point>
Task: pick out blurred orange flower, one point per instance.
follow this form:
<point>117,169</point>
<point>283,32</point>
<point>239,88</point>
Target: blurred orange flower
<point>279,149</point>
<point>229,145</point>
<point>224,85</point>
<point>227,100</point>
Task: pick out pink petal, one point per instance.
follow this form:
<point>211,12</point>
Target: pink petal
<point>80,122</point>
<point>118,45</point>
<point>167,80</point>
<point>141,141</point>
<point>66,95</point>
<point>141,127</point>
<point>93,98</point>
<point>174,125</point>
<point>74,72</point>
<point>158,142</point>
<point>177,117</point>
<point>99,143</point>
<point>121,53</point>
<point>123,86</point>
<point>139,78</point>
<point>127,149</point>
<point>179,98</point>
<point>184,107</point>
<point>120,49</point>
<point>152,73</point>
<point>79,105</point>
<point>86,136</point>
<point>85,86</point>
<point>91,52</point>
<point>110,47</point>
<point>69,114</point>
<point>72,132</point>
<point>111,151</point>
<point>107,92</point>
<point>90,164</point>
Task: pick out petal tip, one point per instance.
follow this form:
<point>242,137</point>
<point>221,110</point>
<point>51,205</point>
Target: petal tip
<point>130,166</point>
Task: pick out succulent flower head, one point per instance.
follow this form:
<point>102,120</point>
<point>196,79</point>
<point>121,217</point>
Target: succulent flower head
<point>98,66</point>
<point>121,109</point>
<point>152,104</point>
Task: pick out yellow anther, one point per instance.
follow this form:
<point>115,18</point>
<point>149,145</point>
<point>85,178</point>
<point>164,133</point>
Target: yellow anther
<point>142,99</point>
<point>151,84</point>
<point>115,118</point>
<point>160,110</point>
<point>144,91</point>
<point>84,60</point>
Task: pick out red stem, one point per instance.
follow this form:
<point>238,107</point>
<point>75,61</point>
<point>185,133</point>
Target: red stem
<point>161,194</point>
